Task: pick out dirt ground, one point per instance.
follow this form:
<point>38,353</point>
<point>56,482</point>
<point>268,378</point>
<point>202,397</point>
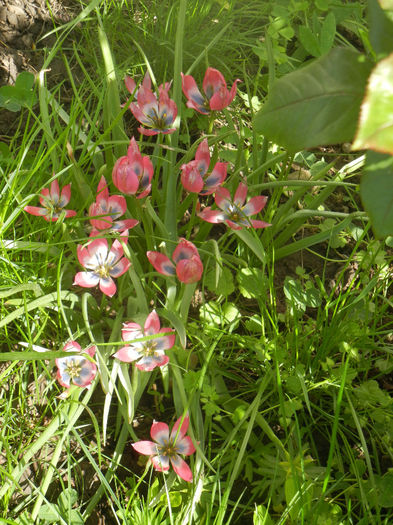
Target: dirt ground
<point>23,23</point>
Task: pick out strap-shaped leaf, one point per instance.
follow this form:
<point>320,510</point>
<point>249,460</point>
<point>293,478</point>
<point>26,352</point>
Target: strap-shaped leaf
<point>318,104</point>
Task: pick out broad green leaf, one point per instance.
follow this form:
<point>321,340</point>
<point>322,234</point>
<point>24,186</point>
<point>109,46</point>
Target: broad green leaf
<point>301,296</point>
<point>386,4</point>
<point>375,129</point>
<point>318,104</point>
<point>67,499</point>
<point>323,5</point>
<point>25,80</point>
<point>385,490</point>
<point>381,28</point>
<point>225,284</point>
<point>376,191</point>
<point>21,94</point>
<point>49,513</point>
<point>252,283</point>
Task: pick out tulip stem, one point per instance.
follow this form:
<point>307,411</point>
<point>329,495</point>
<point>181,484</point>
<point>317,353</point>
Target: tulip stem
<point>192,217</point>
<point>188,294</point>
<point>171,194</point>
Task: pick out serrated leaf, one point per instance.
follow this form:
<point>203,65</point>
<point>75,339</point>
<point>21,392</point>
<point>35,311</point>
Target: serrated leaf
<point>376,191</point>
<point>318,104</point>
<point>369,393</point>
<point>375,129</point>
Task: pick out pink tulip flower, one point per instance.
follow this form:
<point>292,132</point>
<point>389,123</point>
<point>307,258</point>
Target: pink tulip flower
<point>53,203</point>
<point>186,264</point>
<point>150,353</point>
<point>146,84</point>
<point>158,115</point>
<point>77,368</point>
<point>131,84</point>
<point>235,213</point>
<point>167,447</point>
<point>217,96</point>
<point>132,174</point>
<point>195,177</point>
<point>106,209</point>
<point>101,264</point>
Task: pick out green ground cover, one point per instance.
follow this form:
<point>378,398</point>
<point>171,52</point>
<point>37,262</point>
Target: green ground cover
<point>279,335</point>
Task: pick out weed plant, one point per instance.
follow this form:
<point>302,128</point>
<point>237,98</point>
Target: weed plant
<point>272,353</point>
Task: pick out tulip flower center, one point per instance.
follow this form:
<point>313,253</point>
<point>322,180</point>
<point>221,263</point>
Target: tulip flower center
<point>235,213</point>
<point>54,207</point>
<point>168,449</point>
<point>73,369</point>
<point>158,122</point>
<point>150,348</point>
<point>103,271</point>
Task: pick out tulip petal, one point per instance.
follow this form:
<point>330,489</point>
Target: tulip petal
<point>152,324</point>
<point>54,191</point>
<point>161,263</point>
<point>86,279</point>
<point>184,250</point>
<point>127,354</point>
<point>131,331</point>
<point>189,270</point>
<point>181,468</point>
<point>254,205</point>
<point>180,427</point>
<point>107,286</point>
<point>213,81</point>
<point>240,195</point>
<point>160,432</point>
<point>185,446</point>
<point>149,363</point>
<point>35,210</point>
<point>222,198</point>
<point>166,342</point>
<point>121,267</point>
<point>213,216</point>
<point>191,91</point>
<point>191,178</point>
<point>161,463</point>
<point>259,224</point>
<point>65,196</point>
<point>130,85</point>
<point>148,448</point>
